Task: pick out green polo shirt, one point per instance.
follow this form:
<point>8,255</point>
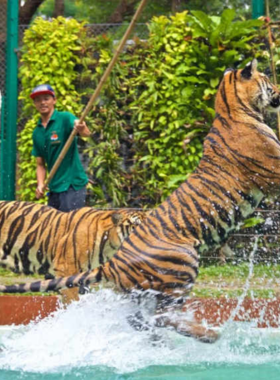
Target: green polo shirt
<point>48,143</point>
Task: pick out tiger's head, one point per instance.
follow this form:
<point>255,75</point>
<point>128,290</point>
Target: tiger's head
<point>246,91</point>
<point>123,225</point>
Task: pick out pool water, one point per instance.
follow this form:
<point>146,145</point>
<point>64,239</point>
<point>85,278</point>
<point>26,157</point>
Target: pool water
<point>92,339</point>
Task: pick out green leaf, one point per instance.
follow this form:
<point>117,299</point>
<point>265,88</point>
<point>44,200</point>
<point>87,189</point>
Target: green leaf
<point>252,222</point>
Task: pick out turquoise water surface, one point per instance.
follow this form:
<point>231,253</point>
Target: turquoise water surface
<point>91,339</point>
<point>242,372</point>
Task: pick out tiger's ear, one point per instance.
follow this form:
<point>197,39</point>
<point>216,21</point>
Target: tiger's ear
<point>227,71</point>
<point>249,69</point>
<point>117,218</point>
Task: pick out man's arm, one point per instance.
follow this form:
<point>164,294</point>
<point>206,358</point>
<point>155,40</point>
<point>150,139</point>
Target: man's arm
<point>41,175</point>
<point>81,128</point>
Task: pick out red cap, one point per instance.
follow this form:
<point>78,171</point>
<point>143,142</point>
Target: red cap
<point>42,89</point>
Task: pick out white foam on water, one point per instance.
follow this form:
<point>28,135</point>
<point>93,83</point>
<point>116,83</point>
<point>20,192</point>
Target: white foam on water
<point>94,332</point>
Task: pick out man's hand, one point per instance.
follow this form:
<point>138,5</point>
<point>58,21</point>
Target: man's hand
<point>81,128</point>
<point>40,191</point>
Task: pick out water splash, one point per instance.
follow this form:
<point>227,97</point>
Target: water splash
<point>241,298</point>
<point>94,332</point>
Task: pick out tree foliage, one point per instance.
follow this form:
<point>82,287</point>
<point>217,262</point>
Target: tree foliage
<point>100,11</point>
<point>157,105</point>
<point>162,93</point>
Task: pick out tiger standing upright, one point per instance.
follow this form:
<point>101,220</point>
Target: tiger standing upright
<point>240,165</point>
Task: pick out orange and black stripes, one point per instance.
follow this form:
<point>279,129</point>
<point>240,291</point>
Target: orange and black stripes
<point>240,165</point>
<point>39,239</point>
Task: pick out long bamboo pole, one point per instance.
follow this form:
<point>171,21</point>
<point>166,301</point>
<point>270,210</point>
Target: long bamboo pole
<point>96,93</point>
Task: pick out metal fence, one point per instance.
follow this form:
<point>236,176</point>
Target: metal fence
<point>265,237</point>
<point>116,30</point>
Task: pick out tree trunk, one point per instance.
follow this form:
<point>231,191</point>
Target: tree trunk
<point>26,12</point>
<point>58,8</point>
<point>126,8</point>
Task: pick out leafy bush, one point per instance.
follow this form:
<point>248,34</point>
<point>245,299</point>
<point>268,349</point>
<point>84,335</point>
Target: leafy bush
<point>161,95</point>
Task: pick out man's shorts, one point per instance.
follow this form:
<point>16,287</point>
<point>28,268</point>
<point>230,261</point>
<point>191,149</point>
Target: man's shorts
<point>68,200</point>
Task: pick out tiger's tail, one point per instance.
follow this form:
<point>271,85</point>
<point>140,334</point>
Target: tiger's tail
<point>81,280</point>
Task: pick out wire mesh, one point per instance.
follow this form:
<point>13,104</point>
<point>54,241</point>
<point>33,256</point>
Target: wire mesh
<point>117,30</point>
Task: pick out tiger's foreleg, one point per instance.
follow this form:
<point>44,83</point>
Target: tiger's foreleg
<point>169,314</point>
<point>176,321</point>
<point>187,328</point>
<point>66,264</point>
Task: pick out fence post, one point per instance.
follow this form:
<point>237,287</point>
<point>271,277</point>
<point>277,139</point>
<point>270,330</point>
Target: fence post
<point>258,8</point>
<point>2,146</point>
<point>9,132</point>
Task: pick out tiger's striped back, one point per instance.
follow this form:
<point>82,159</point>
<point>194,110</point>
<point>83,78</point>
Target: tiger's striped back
<point>39,239</point>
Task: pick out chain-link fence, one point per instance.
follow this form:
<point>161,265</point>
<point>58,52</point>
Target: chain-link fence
<point>117,30</point>
<point>265,236</point>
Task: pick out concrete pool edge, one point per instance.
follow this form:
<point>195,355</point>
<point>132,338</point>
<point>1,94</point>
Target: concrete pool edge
<point>265,312</point>
<point>18,310</point>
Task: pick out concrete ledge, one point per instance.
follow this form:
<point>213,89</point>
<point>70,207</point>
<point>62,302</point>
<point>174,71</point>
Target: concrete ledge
<point>23,309</point>
<point>266,312</point>
<point>19,310</point>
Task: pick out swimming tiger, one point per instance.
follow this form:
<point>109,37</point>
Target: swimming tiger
<point>239,166</point>
<point>40,239</point>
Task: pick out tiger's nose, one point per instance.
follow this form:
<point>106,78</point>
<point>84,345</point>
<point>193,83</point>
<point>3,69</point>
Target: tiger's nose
<point>275,101</point>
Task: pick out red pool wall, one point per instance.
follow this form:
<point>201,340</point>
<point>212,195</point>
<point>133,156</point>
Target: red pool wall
<point>22,309</point>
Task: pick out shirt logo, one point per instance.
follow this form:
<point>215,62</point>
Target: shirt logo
<point>54,136</point>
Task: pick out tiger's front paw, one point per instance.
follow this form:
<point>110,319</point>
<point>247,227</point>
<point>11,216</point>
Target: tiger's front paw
<point>199,332</point>
<point>137,322</point>
<point>188,328</point>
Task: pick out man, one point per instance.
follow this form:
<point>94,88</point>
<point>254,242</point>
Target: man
<point>68,186</point>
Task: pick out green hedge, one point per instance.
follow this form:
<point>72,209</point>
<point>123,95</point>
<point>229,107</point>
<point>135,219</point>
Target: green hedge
<point>155,109</point>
